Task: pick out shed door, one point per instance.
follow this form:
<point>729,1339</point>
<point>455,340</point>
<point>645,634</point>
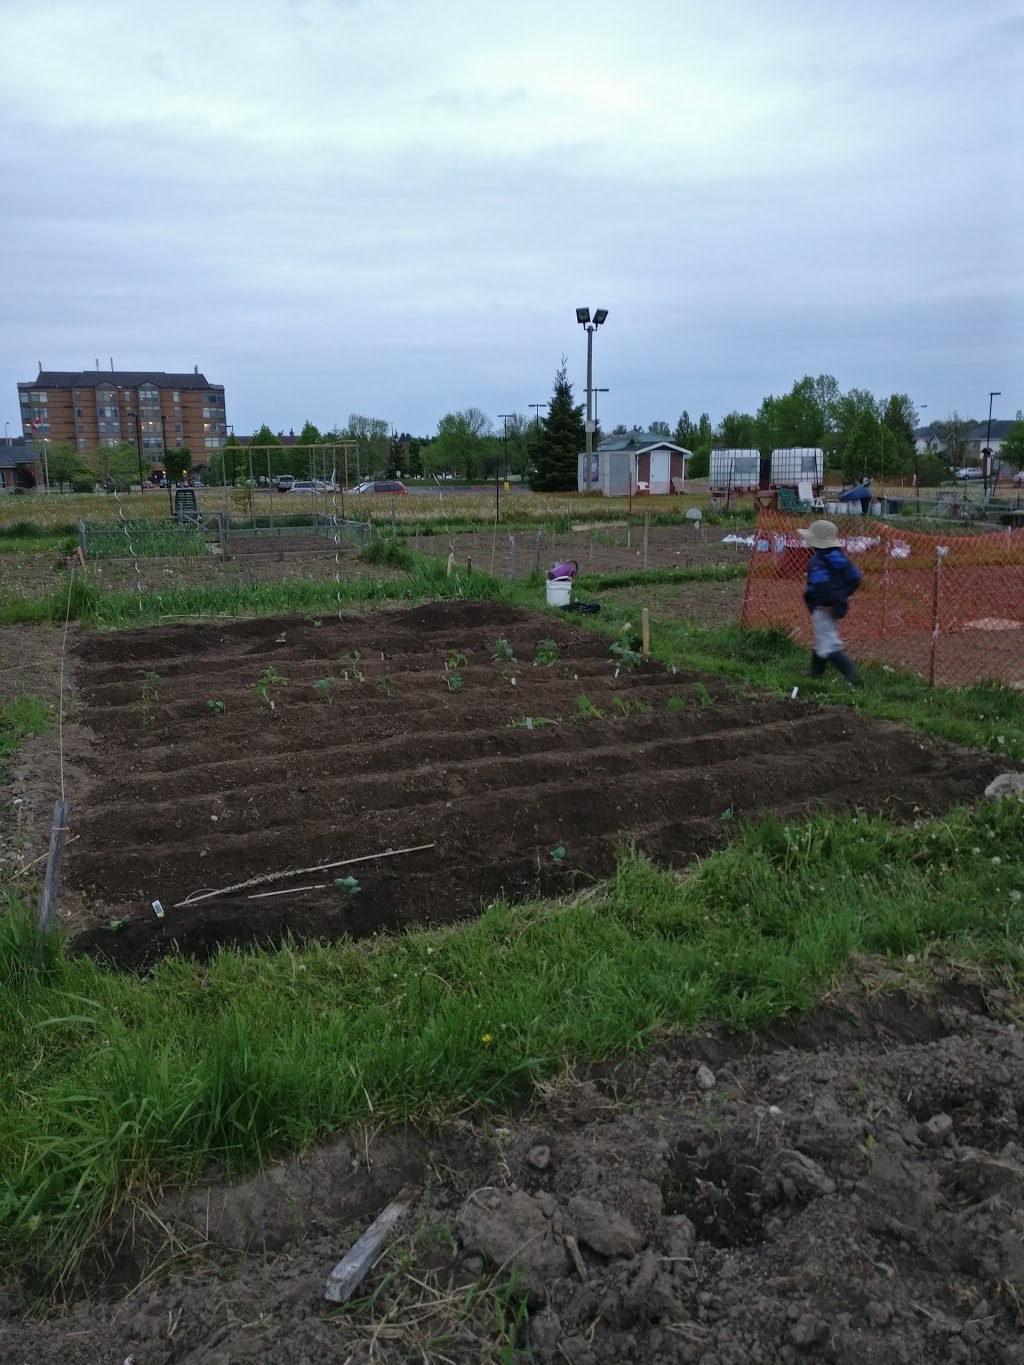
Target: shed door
<point>661,471</point>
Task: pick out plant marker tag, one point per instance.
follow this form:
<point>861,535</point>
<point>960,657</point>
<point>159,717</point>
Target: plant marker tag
<point>792,695</point>
<point>158,910</point>
<point>529,722</point>
<point>512,681</point>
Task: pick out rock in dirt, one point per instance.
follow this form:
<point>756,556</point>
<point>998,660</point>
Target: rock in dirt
<point>510,1229</point>
<point>797,1178</point>
<point>604,1229</point>
<point>705,1078</point>
<point>539,1158</point>
<point>936,1130</point>
<point>985,1175</point>
<point>677,1237</point>
<point>808,1330</point>
<point>1006,784</point>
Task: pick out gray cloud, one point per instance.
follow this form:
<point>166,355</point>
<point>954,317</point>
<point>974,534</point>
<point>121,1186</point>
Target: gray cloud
<point>393,207</point>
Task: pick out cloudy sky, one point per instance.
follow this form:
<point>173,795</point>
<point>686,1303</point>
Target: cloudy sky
<point>394,206</point>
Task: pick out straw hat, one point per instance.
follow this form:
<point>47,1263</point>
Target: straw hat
<point>821,535</point>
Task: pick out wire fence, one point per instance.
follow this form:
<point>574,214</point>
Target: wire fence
<point>948,606</point>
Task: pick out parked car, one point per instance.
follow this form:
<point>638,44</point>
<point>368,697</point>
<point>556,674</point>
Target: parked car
<point>309,486</point>
<point>970,474</point>
<point>285,482</point>
<point>391,486</point>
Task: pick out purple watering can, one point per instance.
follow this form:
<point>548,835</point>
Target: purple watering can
<point>567,569</point>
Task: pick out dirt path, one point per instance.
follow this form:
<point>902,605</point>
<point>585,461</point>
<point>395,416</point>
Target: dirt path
<point>396,755</point>
<point>848,1189</point>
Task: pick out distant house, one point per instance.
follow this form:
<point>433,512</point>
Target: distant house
<point>927,441</point>
<point>639,459</point>
<point>977,437</point>
<point>19,467</point>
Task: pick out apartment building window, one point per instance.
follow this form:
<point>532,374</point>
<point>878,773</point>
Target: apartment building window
<point>81,443</point>
<point>79,427</point>
<point>213,442</point>
<point>178,426</point>
<point>78,412</point>
<point>176,396</point>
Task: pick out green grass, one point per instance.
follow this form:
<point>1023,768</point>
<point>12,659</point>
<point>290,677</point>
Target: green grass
<point>19,718</point>
<point>34,545</point>
<point>113,1085</point>
<point>427,578</point>
<point>708,573</point>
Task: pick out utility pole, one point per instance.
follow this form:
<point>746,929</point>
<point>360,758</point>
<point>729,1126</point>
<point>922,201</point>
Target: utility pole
<point>504,454</point>
<point>986,462</point>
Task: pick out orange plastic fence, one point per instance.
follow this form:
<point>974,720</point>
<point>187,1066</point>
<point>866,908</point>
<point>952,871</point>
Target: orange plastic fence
<point>949,607</point>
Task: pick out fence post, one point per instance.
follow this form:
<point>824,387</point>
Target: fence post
<point>536,553</point>
<point>936,597</point>
<point>222,534</point>
<point>647,527</point>
<point>81,539</point>
<point>887,551</point>
<point>512,556</point>
<point>51,884</point>
<point>394,530</point>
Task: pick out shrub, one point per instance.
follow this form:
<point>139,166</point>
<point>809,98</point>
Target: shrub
<point>391,553</point>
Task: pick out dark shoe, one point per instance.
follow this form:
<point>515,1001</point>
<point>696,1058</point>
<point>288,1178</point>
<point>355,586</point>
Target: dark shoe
<point>818,665</point>
<point>846,667</point>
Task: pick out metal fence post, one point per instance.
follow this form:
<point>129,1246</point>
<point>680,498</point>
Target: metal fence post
<point>887,551</point>
<point>81,538</point>
<point>536,553</point>
<point>394,529</point>
<point>936,597</point>
<point>512,556</point>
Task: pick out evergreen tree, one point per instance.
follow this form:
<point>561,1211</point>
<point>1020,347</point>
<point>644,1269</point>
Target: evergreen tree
<point>685,434</point>
<point>562,440</point>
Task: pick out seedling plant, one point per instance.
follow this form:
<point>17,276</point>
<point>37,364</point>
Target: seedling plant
<point>268,679</point>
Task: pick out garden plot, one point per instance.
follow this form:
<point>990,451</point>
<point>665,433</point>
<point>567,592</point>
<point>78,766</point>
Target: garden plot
<point>228,751</point>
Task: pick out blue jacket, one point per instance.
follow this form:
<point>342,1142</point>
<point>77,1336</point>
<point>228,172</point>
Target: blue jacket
<point>831,580</point>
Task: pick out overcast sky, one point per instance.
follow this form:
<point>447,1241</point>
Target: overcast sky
<point>394,206</point>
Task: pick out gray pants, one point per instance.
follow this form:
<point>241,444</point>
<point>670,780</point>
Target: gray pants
<point>826,634</point>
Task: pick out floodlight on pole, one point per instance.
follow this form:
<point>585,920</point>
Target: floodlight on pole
<point>583,318</point>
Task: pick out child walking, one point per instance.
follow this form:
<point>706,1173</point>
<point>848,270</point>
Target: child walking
<point>831,580</point>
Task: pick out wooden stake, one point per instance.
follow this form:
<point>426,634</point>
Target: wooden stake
<point>54,859</point>
<point>647,527</point>
<point>451,561</point>
<point>645,630</point>
<point>298,872</point>
<point>352,1269</point>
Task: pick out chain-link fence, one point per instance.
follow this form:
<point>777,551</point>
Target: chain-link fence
<point>149,539</point>
<point>948,606</point>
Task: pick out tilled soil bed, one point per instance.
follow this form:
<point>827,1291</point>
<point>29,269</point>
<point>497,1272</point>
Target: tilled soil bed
<point>847,1190</point>
<point>187,797</point>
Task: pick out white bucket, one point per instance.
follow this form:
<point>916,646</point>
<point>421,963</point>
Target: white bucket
<point>832,508</point>
<point>559,591</point>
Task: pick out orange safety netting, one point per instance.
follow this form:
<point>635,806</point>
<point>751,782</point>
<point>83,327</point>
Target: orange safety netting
<point>949,607</point>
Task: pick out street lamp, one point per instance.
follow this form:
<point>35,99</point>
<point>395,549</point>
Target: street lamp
<point>138,446</point>
<point>987,453</point>
<point>590,327</point>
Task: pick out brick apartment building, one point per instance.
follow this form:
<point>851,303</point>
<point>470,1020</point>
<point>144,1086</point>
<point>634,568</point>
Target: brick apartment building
<point>151,409</point>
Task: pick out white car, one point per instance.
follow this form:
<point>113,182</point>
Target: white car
<point>969,474</point>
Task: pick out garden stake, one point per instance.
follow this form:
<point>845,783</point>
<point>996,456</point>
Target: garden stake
<point>298,872</point>
<point>645,629</point>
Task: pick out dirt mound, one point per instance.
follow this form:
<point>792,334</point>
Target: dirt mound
<point>227,751</point>
<point>846,1190</point>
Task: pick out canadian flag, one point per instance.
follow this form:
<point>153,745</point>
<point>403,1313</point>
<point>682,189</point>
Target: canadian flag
<point>34,424</point>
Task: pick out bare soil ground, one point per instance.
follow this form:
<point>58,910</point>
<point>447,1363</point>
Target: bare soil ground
<point>708,604</point>
<point>847,1189</point>
<point>182,798</point>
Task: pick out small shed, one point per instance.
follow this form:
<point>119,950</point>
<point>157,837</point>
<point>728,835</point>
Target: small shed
<point>19,468</point>
<point>651,463</point>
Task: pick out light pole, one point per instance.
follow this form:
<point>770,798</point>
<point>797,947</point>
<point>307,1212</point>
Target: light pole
<point>987,452</point>
<point>138,447</point>
<point>504,458</point>
<point>917,460</point>
<point>536,410</point>
<point>590,327</point>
